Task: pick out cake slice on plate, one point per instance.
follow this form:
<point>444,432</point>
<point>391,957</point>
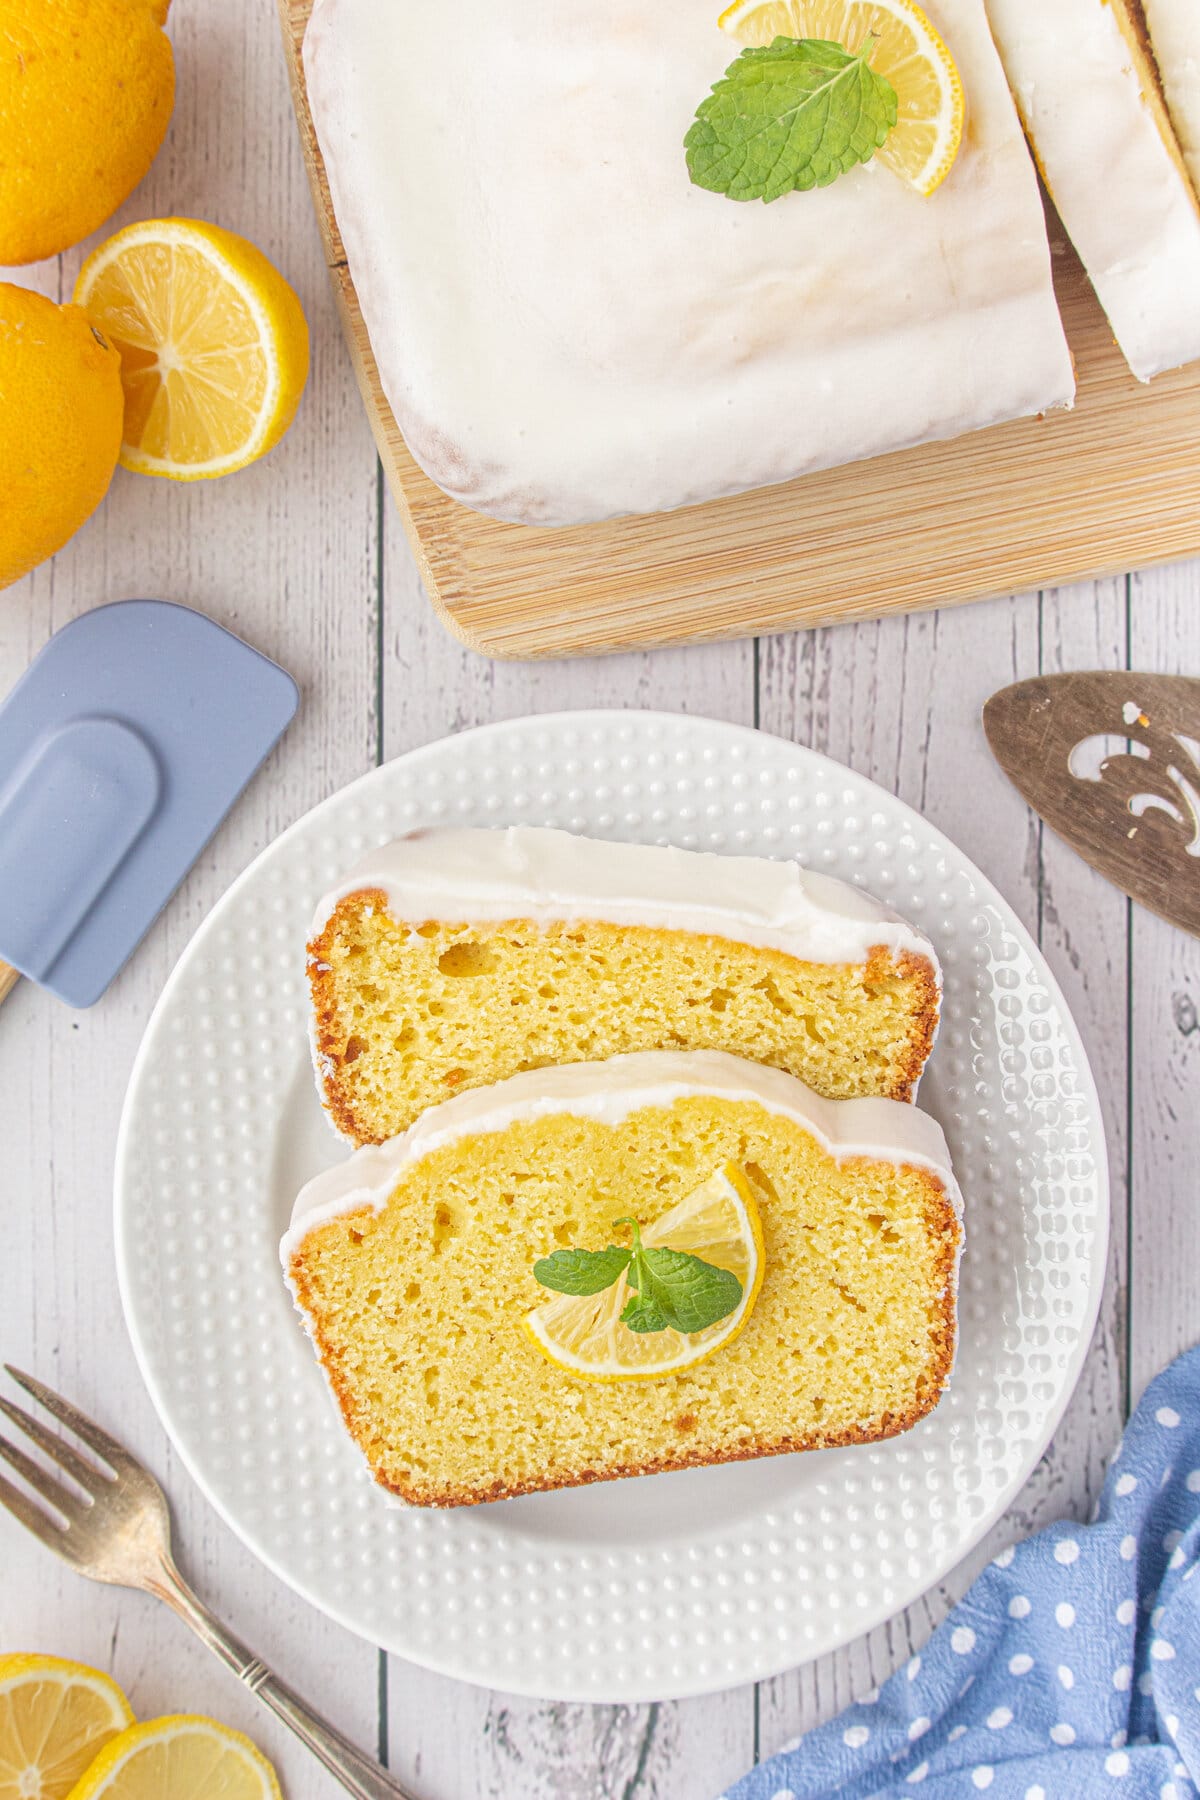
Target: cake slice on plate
<point>1174,27</point>
<point>455,958</point>
<point>566,328</point>
<point>1088,92</point>
<point>473,1296</point>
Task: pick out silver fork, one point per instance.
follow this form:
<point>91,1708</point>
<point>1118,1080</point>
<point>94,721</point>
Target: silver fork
<point>119,1530</point>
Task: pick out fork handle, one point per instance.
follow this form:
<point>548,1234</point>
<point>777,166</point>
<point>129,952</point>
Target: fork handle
<point>358,1774</point>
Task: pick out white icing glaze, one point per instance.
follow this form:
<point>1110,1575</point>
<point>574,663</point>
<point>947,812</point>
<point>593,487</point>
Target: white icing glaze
<point>525,872</point>
<point>885,1130</point>
<point>566,328</point>
<point>1175,34</point>
<point>1121,194</point>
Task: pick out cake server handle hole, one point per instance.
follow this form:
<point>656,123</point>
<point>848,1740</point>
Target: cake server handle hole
<point>109,1519</point>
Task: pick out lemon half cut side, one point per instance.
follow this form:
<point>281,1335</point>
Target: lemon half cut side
<point>718,1222</point>
<point>213,345</point>
<point>925,139</point>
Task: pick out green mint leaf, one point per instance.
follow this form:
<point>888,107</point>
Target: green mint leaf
<point>671,1290</point>
<point>642,1315</point>
<point>694,1293</point>
<point>794,114</point>
<point>581,1271</point>
<point>674,1290</point>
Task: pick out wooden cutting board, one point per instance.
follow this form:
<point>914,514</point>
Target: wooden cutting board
<point>1113,485</point>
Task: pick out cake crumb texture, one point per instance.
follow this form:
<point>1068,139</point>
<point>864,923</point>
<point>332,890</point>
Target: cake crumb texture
<point>415,1310</point>
<point>405,1017</point>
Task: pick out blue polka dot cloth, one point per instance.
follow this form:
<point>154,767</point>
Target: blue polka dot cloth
<point>1071,1670</point>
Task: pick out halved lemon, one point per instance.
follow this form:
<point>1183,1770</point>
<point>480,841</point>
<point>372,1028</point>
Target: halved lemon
<point>718,1222</point>
<point>213,343</point>
<point>183,1757</point>
<point>924,141</point>
<point>54,1718</point>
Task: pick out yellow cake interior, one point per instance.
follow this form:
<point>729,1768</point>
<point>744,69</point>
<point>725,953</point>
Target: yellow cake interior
<point>416,1310</point>
<point>406,1017</point>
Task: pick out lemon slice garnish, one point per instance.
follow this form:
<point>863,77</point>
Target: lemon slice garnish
<point>185,1757</point>
<point>213,343</point>
<point>924,141</point>
<point>718,1222</point>
<point>54,1718</point>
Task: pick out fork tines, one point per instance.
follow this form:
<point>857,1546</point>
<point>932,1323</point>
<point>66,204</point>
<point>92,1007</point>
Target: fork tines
<point>90,1476</point>
<point>114,1454</point>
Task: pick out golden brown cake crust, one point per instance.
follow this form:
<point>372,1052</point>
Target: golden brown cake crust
<point>920,971</point>
<point>942,1222</point>
<point>329,1038</point>
<point>328,1047</point>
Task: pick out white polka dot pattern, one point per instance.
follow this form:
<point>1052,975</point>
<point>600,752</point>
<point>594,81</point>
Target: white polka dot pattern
<point>689,1582</point>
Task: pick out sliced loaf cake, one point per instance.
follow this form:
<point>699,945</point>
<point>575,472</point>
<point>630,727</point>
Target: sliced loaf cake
<point>452,959</point>
<point>421,1270</point>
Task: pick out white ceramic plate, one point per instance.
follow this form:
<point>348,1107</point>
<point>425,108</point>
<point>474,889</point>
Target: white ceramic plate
<point>628,1590</point>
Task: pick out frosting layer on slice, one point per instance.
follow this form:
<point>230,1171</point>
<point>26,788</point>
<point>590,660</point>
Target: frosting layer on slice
<point>529,872</point>
<point>1088,94</point>
<point>566,328</point>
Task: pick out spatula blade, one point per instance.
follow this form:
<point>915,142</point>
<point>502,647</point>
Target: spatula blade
<point>122,748</point>
<point>1111,761</point>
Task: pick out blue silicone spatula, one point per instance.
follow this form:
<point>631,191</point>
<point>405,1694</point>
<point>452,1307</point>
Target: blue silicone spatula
<point>122,748</point>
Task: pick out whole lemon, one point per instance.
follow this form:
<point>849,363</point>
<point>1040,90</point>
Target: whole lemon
<point>86,92</point>
<point>62,409</point>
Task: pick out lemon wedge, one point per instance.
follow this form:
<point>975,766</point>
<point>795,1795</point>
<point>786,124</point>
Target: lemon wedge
<point>213,343</point>
<point>718,1222</point>
<point>183,1756</point>
<point>54,1717</point>
<point>924,141</point>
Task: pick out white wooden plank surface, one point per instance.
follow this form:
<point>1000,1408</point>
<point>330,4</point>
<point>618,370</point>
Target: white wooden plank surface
<point>302,556</point>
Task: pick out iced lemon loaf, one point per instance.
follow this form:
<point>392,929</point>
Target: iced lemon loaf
<point>413,1266</point>
<point>1088,92</point>
<point>452,959</point>
<point>567,328</point>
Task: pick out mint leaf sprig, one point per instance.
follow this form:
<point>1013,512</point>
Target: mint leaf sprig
<point>672,1290</point>
<point>793,114</point>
